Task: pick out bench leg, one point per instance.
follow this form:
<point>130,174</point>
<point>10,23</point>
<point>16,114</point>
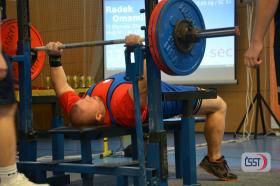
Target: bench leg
<point>153,160</point>
<point>86,159</point>
<point>122,181</point>
<point>134,146</point>
<point>178,152</point>
<point>58,143</point>
<point>188,151</point>
<point>134,154</point>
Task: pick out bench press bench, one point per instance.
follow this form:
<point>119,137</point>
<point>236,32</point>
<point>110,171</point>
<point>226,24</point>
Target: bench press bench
<point>102,131</point>
<point>184,142</point>
<point>87,134</point>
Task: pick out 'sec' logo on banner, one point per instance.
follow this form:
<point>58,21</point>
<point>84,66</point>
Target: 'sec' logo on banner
<point>255,162</point>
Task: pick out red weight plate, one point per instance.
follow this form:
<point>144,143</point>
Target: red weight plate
<point>152,38</point>
<point>9,39</point>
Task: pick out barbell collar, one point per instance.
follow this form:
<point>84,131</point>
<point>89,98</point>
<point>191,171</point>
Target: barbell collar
<point>86,44</point>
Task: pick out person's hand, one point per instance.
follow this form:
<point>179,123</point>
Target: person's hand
<point>53,49</point>
<point>251,56</point>
<point>3,68</point>
<point>132,39</point>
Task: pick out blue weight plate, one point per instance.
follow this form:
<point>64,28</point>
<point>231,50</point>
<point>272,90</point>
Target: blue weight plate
<point>178,62</point>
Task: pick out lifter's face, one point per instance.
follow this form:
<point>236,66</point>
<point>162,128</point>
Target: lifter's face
<point>92,106</point>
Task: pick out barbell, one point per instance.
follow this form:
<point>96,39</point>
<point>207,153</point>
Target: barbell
<point>176,36</point>
<point>188,37</point>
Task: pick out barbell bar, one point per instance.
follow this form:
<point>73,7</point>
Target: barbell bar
<point>86,44</point>
<point>221,32</point>
<point>218,32</point>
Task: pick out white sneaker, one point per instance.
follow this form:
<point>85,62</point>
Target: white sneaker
<point>21,180</point>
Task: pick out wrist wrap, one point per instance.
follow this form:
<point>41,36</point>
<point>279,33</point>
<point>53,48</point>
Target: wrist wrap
<point>55,61</point>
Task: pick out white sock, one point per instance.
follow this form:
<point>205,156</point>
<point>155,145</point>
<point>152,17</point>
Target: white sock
<point>8,173</point>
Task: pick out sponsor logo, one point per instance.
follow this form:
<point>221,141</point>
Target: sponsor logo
<point>255,162</point>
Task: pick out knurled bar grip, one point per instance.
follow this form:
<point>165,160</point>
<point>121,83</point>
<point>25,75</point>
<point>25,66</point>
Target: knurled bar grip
<point>86,44</point>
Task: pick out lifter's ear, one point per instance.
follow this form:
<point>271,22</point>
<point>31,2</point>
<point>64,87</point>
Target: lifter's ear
<point>98,116</point>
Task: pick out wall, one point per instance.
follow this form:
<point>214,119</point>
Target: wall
<point>234,95</point>
<point>81,20</point>
<point>66,21</point>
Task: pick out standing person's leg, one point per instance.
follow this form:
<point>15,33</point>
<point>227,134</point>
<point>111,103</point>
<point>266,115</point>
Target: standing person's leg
<point>7,127</point>
<point>9,175</point>
<point>8,167</point>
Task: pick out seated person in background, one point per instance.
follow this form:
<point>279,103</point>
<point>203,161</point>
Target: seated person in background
<point>93,110</point>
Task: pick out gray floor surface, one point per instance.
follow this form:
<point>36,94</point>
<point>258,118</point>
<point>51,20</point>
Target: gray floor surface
<point>231,150</point>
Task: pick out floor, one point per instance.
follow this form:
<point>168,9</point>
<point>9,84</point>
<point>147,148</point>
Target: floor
<point>230,149</point>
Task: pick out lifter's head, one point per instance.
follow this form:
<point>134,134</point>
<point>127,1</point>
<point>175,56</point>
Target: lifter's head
<point>89,110</point>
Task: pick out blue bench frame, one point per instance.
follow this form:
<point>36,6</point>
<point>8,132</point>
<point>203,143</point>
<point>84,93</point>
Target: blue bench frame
<point>184,141</point>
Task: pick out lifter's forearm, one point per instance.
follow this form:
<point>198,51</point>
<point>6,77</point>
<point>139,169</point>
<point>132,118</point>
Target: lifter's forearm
<point>59,81</point>
<point>142,85</point>
<point>58,76</point>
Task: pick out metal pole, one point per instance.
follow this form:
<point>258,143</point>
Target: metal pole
<point>27,145</point>
<point>134,72</point>
<point>155,156</point>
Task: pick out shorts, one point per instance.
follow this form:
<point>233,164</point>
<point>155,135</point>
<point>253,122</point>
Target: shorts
<point>174,108</point>
<point>7,93</point>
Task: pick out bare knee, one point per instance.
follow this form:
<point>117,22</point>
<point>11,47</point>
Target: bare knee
<point>221,104</point>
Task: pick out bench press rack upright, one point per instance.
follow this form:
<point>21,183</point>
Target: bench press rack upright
<point>184,138</point>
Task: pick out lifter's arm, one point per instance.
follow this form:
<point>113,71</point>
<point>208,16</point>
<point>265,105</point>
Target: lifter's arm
<point>58,76</point>
<point>142,84</point>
